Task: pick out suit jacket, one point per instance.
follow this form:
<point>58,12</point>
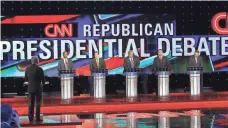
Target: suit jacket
<point>34,75</point>
<point>164,63</point>
<point>94,66</point>
<point>61,64</point>
<point>127,63</point>
<point>192,62</point>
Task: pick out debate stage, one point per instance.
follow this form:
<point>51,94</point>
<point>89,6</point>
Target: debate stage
<point>69,113</point>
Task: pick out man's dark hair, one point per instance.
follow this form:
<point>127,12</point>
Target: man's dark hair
<point>196,51</point>
<point>130,51</point>
<point>96,52</point>
<point>159,50</point>
<point>34,60</point>
<point>65,52</point>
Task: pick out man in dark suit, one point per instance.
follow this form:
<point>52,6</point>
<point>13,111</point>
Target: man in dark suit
<point>196,60</point>
<point>35,76</point>
<point>65,63</point>
<point>160,61</point>
<point>95,64</point>
<point>131,61</point>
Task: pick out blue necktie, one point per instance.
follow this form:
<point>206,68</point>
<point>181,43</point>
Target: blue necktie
<point>132,63</point>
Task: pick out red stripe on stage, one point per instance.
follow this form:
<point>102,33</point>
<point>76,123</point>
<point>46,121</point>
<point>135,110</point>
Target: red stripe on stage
<point>220,65</point>
<point>111,63</point>
<point>37,19</point>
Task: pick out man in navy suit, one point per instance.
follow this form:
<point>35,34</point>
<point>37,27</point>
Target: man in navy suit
<point>65,63</point>
<point>131,61</point>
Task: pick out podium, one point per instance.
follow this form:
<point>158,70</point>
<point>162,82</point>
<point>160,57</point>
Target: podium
<point>194,74</point>
<point>163,81</point>
<point>99,76</point>
<point>131,82</point>
<point>67,84</point>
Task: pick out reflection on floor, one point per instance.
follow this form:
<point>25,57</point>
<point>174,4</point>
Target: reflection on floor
<point>178,110</point>
<point>52,120</point>
<point>213,118</point>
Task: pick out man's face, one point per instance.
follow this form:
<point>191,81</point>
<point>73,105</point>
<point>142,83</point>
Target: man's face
<point>160,53</point>
<point>131,54</point>
<point>96,55</point>
<point>65,54</point>
<point>196,54</point>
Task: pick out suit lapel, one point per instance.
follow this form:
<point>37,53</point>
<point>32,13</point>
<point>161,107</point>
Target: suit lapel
<point>63,63</point>
<point>129,61</point>
<point>95,61</point>
<point>99,63</point>
<point>196,59</point>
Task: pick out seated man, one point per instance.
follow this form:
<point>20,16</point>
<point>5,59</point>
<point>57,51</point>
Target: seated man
<point>9,117</point>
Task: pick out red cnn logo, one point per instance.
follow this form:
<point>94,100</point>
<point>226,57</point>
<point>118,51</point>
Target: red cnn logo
<point>215,23</point>
<point>58,30</point>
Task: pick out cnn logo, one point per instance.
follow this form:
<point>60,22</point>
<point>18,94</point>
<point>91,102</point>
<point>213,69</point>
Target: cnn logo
<point>59,30</point>
<point>215,23</point>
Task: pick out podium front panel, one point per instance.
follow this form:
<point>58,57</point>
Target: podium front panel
<point>67,86</point>
<point>195,82</point>
<point>131,84</point>
<point>99,85</point>
<point>163,83</point>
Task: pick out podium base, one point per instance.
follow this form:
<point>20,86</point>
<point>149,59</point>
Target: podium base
<point>131,99</point>
<point>84,94</point>
<point>99,100</point>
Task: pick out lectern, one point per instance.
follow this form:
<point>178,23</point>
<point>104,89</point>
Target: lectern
<point>67,83</point>
<point>195,74</point>
<point>99,76</point>
<point>163,81</point>
<point>131,82</point>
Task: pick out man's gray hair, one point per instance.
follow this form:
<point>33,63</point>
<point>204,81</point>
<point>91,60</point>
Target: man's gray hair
<point>35,60</point>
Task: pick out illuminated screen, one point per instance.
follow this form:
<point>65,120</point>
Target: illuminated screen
<point>48,36</point>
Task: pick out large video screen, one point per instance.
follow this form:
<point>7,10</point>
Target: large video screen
<point>112,35</point>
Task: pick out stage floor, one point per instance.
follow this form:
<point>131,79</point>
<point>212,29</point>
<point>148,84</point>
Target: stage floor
<point>145,108</point>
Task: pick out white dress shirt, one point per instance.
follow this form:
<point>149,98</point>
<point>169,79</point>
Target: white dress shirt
<point>66,63</point>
